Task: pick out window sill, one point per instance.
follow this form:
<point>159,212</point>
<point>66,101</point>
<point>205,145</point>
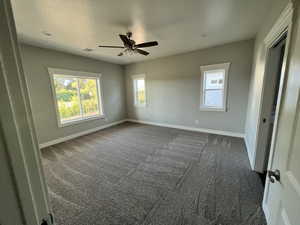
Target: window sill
<point>140,106</point>
<point>207,109</point>
<point>78,121</point>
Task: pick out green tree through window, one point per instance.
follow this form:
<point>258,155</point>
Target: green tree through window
<point>77,98</point>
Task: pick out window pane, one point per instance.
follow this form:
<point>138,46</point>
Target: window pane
<point>67,98</point>
<point>213,98</point>
<point>89,97</point>
<point>214,79</point>
<point>140,91</point>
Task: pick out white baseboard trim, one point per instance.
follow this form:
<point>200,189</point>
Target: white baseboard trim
<point>250,156</point>
<point>204,130</point>
<point>60,140</point>
<point>267,212</point>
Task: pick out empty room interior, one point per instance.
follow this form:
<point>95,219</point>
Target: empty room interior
<point>141,112</point>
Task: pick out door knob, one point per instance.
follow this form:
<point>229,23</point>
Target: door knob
<point>274,175</point>
<point>44,222</point>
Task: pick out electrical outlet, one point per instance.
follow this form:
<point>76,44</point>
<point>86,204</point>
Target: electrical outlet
<point>197,122</point>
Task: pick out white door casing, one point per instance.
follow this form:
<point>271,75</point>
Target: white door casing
<point>282,25</point>
<point>9,204</point>
<point>282,198</point>
<point>19,138</point>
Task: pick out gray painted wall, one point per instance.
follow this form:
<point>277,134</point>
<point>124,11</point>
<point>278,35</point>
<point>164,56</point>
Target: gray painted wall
<point>173,88</point>
<point>256,83</point>
<point>37,60</point>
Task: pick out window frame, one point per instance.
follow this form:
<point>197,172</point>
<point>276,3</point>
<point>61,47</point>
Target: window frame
<point>82,75</point>
<point>134,78</point>
<point>208,68</point>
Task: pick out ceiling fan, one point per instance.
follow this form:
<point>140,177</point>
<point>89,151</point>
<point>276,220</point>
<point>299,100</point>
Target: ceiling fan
<point>130,46</point>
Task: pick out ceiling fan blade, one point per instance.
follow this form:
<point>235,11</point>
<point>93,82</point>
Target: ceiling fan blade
<point>142,51</point>
<point>120,54</point>
<point>125,40</point>
<point>147,44</point>
<point>110,46</point>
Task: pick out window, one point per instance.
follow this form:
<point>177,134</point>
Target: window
<point>139,89</point>
<point>76,95</point>
<point>214,87</point>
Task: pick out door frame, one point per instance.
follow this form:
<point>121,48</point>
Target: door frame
<point>283,25</point>
<point>9,206</point>
<point>19,137</point>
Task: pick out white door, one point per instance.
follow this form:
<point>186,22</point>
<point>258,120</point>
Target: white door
<point>269,93</point>
<point>21,157</point>
<point>9,208</point>
<point>282,198</point>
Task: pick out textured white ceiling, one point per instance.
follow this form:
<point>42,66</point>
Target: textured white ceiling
<point>178,25</point>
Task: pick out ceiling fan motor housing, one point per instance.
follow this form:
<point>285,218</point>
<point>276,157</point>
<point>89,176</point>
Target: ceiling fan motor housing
<point>129,34</point>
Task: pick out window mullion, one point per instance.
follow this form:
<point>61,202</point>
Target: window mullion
<point>98,96</point>
<point>215,89</point>
<point>79,96</point>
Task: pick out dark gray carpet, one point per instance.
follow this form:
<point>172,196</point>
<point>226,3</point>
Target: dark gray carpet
<point>135,174</point>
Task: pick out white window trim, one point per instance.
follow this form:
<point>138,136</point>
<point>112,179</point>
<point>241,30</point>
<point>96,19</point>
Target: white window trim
<point>76,74</point>
<point>203,69</point>
<point>135,77</point>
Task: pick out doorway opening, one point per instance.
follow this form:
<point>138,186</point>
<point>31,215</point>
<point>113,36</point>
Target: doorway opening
<point>271,97</point>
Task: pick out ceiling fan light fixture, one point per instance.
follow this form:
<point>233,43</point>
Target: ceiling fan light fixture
<point>46,33</point>
<point>130,48</point>
<point>87,49</point>
<point>129,52</point>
